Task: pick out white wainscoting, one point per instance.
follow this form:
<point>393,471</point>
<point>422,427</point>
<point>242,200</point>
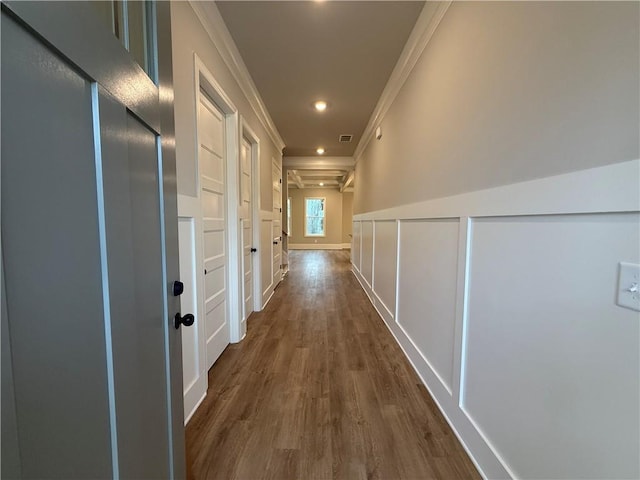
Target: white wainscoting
<point>366,252</point>
<point>194,337</point>
<point>434,243</point>
<point>355,249</point>
<point>504,302</point>
<point>385,264</point>
<point>266,255</point>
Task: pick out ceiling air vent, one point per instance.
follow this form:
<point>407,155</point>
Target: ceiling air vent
<point>346,138</point>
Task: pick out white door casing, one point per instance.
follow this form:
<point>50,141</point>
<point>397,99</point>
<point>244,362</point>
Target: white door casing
<point>277,221</point>
<point>246,220</point>
<point>215,243</point>
<point>253,214</point>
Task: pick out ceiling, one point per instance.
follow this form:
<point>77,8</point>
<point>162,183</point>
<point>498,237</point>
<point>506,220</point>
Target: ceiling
<point>332,172</point>
<point>298,52</point>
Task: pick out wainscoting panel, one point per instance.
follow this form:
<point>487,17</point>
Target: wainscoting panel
<point>366,262</point>
<point>427,291</point>
<point>192,254</point>
<point>266,245</point>
<point>549,354</point>
<point>355,248</point>
<point>193,361</point>
<point>385,265</point>
<point>506,308</point>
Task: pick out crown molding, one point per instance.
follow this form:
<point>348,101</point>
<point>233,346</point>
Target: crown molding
<point>213,23</point>
<point>425,26</point>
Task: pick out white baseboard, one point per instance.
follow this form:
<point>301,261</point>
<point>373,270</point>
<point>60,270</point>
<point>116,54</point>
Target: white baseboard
<point>317,246</point>
<point>193,396</point>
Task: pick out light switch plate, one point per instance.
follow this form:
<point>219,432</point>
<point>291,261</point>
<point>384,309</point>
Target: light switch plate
<point>629,286</point>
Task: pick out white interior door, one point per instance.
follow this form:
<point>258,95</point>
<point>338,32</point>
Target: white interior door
<point>277,221</point>
<point>211,136</point>
<point>246,230</point>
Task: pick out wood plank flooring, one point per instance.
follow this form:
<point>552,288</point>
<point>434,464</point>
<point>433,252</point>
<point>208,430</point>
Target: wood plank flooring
<point>319,389</point>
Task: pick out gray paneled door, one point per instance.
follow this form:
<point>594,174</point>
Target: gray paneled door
<point>91,361</point>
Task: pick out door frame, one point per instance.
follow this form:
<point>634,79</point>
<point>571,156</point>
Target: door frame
<point>205,81</point>
<point>254,140</point>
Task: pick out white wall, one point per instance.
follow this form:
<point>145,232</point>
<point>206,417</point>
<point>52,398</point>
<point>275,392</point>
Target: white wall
<point>191,38</point>
<point>513,150</point>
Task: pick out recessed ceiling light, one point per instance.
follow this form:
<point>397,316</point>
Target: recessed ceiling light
<point>320,105</point>
<point>321,184</point>
<point>320,151</point>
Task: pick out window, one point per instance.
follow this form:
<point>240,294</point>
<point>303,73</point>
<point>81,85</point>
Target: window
<point>289,216</point>
<point>314,209</point>
<point>132,21</point>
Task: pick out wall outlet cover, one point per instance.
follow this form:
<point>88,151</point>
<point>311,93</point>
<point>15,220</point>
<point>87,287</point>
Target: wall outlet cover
<point>629,286</point>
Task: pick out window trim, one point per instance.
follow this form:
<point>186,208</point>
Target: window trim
<point>324,232</point>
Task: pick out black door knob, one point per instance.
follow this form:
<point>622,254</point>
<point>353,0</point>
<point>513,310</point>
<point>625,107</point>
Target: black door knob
<point>254,250</point>
<point>178,288</point>
<point>187,320</point>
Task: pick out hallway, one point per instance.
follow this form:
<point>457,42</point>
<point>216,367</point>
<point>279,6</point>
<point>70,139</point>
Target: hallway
<point>319,389</point>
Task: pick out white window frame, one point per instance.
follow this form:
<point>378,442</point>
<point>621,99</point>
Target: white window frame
<point>324,232</point>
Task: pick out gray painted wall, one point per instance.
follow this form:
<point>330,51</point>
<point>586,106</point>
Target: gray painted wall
<point>508,92</point>
<point>189,36</point>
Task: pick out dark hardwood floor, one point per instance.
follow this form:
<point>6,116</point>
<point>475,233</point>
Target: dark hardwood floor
<point>319,389</point>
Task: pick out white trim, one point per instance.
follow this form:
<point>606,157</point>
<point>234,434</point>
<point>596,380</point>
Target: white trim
<point>267,293</point>
<point>612,188</point>
<point>318,246</point>
<point>449,418</point>
<point>270,296</point>
<point>462,291</point>
<point>213,23</point>
<point>422,32</point>
<point>190,208</point>
<point>205,81</point>
<point>324,217</point>
<point>199,386</point>
<point>256,266</point>
<point>348,181</point>
<point>315,163</point>
<point>609,189</point>
<point>234,247</point>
